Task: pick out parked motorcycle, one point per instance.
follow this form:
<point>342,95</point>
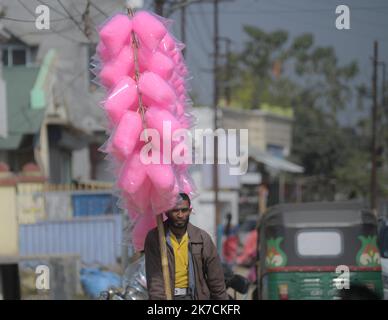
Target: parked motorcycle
<point>135,284</point>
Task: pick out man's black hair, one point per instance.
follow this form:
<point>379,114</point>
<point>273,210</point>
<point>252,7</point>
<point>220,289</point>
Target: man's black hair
<point>184,196</point>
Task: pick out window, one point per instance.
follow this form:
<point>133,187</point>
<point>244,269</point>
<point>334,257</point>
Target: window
<point>15,55</point>
<point>319,243</point>
<point>275,150</point>
<point>4,57</point>
<point>19,57</point>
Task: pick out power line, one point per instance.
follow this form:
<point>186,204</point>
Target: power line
<point>73,19</point>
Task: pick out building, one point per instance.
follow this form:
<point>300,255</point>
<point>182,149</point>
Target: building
<point>65,110</point>
<point>270,143</point>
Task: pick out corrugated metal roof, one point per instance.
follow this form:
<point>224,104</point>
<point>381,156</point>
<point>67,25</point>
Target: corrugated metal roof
<point>274,162</point>
<point>97,240</point>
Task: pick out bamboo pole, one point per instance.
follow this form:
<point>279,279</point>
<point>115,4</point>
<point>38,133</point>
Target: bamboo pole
<point>159,220</point>
<point>163,255</point>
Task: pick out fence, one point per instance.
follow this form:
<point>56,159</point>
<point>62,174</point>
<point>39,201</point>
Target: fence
<point>38,201</point>
<point>98,240</point>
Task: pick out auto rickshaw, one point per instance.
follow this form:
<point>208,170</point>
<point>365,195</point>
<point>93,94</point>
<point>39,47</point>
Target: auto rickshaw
<point>314,250</point>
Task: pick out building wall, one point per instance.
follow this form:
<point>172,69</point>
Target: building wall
<point>81,164</point>
<point>9,240</point>
<point>278,132</point>
<point>30,202</point>
<point>263,127</point>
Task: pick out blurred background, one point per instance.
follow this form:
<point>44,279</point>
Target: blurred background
<point>312,96</point>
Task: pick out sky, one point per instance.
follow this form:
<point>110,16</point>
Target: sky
<point>368,22</point>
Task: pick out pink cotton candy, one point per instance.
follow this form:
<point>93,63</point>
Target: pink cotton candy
<point>143,225</point>
<point>158,118</point>
<point>186,184</point>
<point>116,33</point>
<point>123,97</point>
<point>175,77</point>
<point>132,175</point>
<point>180,90</point>
<point>167,44</point>
<point>133,214</point>
<point>180,110</point>
<point>161,65</point>
<point>103,52</point>
<point>122,66</point>
<point>127,134</point>
<point>162,203</point>
<point>144,58</point>
<point>183,98</point>
<point>177,58</point>
<point>140,200</point>
<point>179,82</point>
<point>149,29</point>
<point>156,91</point>
<point>162,177</point>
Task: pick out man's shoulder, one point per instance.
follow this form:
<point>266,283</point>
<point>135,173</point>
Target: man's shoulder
<point>198,233</point>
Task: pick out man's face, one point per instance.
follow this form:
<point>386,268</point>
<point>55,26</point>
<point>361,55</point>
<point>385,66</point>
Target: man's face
<point>179,216</point>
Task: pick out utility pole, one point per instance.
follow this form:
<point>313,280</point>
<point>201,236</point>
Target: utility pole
<point>373,186</point>
<point>228,67</point>
<point>183,26</point>
<point>215,104</point>
<point>159,7</point>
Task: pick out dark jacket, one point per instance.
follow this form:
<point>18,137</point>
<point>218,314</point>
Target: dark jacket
<point>208,272</point>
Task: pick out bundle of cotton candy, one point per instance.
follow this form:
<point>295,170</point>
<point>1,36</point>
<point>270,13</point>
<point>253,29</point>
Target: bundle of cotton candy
<point>141,67</point>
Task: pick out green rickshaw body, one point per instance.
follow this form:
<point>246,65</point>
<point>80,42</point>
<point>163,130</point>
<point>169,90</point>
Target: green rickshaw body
<point>314,250</point>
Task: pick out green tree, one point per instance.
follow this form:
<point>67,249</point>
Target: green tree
<point>317,87</point>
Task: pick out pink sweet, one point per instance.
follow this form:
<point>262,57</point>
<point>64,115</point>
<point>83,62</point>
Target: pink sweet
<point>156,91</point>
<point>157,118</point>
<point>177,58</point>
<point>179,82</point>
<point>142,226</point>
<point>140,200</point>
<point>103,52</point>
<point>149,29</point>
<point>163,203</point>
<point>186,184</point>
<point>167,44</point>
<point>116,33</point>
<point>144,57</point>
<point>127,134</point>
<point>123,97</point>
<point>162,177</point>
<point>180,90</point>
<point>132,175</point>
<point>161,65</point>
<point>115,70</point>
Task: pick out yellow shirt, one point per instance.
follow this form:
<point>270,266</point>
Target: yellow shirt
<point>181,253</point>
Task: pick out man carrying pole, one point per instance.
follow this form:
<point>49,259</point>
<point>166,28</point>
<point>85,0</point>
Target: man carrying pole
<point>195,269</point>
